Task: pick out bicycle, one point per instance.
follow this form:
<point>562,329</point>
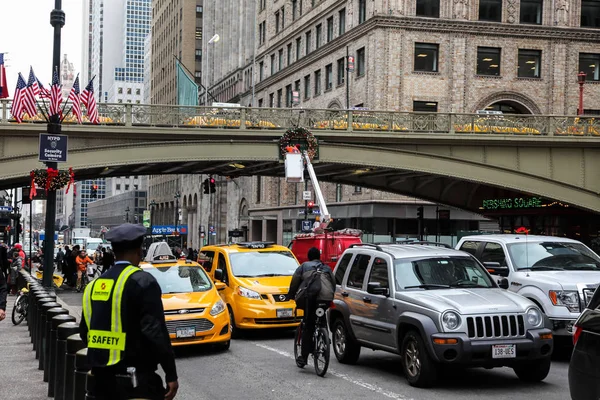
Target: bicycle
<point>19,312</point>
<point>321,342</point>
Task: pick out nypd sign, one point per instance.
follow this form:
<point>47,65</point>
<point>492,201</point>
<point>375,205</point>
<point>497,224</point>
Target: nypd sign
<point>53,148</point>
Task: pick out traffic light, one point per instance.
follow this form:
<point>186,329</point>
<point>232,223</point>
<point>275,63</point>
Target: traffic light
<point>310,206</point>
<point>205,186</point>
<point>94,193</point>
<point>420,212</point>
<point>213,186</point>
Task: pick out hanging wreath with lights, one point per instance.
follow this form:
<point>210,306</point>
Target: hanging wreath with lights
<point>294,135</point>
<point>50,179</point>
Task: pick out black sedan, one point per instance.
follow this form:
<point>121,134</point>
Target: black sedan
<point>584,370</point>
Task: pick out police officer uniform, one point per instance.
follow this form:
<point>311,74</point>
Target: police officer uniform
<point>124,327</point>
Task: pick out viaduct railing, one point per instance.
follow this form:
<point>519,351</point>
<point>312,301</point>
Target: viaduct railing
<point>187,117</point>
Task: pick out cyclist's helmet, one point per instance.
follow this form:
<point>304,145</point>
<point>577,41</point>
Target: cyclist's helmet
<point>18,246</point>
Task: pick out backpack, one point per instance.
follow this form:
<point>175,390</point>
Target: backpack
<point>316,286</point>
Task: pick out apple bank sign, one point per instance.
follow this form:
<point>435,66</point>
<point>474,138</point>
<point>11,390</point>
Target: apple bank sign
<point>53,148</point>
<point>169,229</point>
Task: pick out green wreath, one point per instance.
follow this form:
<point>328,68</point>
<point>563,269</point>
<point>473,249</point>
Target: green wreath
<point>296,134</point>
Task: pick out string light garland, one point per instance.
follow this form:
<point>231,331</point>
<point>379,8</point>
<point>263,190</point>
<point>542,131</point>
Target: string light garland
<point>50,179</point>
<point>296,134</point>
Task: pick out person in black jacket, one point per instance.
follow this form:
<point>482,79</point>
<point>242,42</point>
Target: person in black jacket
<point>4,263</point>
<point>303,273</point>
<point>3,295</point>
<point>125,345</point>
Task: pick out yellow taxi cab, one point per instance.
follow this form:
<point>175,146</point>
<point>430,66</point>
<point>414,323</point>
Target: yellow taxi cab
<point>194,311</point>
<point>257,276</point>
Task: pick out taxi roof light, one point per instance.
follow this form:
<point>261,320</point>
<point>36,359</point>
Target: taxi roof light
<point>256,245</point>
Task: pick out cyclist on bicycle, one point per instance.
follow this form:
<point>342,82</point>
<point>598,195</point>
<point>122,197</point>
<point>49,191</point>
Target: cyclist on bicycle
<point>82,260</point>
<point>307,299</point>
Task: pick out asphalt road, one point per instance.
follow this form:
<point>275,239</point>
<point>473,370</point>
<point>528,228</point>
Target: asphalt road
<point>261,366</point>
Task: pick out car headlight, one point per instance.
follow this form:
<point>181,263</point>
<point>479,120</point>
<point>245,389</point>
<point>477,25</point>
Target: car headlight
<point>451,320</point>
<point>250,294</point>
<point>567,298</point>
<point>218,308</point>
<point>534,317</point>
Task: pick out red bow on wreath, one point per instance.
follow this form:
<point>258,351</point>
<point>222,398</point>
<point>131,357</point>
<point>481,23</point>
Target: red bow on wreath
<point>71,180</point>
<point>32,191</point>
<point>52,173</point>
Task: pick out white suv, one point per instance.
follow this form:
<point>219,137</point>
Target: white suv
<point>558,274</point>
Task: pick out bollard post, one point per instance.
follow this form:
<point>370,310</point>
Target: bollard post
<point>63,331</point>
<point>52,363</point>
<point>34,295</point>
<point>90,386</point>
<point>42,335</point>
<point>82,368</point>
<point>38,320</point>
<point>51,313</point>
<point>74,344</point>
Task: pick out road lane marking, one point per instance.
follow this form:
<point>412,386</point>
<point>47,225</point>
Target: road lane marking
<point>345,377</point>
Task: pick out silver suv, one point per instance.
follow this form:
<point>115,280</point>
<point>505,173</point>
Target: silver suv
<point>433,306</point>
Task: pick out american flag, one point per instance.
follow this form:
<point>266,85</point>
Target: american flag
<point>87,98</point>
<point>17,105</point>
<point>44,93</point>
<point>75,98</point>
<point>30,94</point>
<point>3,83</point>
<point>55,95</point>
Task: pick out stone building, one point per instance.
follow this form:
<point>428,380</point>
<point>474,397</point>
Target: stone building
<point>517,56</point>
<point>176,32</point>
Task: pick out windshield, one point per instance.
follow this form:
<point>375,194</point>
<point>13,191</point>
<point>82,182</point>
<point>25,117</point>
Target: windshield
<point>92,246</point>
<point>553,256</point>
<point>441,272</point>
<point>179,279</point>
<point>262,263</point>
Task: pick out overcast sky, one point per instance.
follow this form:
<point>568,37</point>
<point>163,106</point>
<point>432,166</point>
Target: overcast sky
<point>27,37</point>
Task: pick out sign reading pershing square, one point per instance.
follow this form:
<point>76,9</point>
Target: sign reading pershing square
<point>53,148</point>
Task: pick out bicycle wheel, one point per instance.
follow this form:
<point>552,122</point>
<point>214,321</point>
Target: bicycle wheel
<point>298,346</point>
<point>19,311</point>
<point>321,353</point>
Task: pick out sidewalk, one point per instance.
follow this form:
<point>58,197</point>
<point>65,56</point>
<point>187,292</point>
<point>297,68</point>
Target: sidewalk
<point>21,378</point>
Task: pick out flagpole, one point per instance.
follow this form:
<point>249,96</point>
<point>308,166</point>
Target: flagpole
<point>57,20</point>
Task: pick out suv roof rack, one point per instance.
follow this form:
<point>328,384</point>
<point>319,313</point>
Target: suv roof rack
<point>430,243</point>
<point>375,245</point>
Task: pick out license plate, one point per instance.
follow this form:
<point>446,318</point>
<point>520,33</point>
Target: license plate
<point>504,351</point>
<point>284,313</point>
<point>188,331</point>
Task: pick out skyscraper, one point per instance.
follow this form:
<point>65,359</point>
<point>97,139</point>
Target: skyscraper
<point>115,55</point>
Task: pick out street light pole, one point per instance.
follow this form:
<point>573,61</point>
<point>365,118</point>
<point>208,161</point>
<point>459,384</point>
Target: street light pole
<point>177,195</point>
<point>57,20</point>
<point>152,206</point>
<point>581,80</point>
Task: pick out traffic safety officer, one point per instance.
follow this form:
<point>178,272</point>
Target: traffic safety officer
<point>124,326</point>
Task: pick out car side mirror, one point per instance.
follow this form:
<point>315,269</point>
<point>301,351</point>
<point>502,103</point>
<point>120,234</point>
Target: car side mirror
<point>503,283</point>
<point>375,288</point>
<point>218,274</point>
<point>220,285</point>
<point>495,268</point>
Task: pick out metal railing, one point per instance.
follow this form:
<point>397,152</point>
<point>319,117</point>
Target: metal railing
<point>140,115</point>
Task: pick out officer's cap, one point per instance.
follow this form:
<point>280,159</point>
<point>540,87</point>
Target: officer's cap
<point>126,233</point>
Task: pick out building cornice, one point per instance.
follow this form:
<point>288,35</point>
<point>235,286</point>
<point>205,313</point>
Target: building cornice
<point>459,27</point>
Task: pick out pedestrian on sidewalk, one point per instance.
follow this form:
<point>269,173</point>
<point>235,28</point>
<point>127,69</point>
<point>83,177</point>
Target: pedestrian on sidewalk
<point>108,259</point>
<point>3,294</point>
<point>126,344</point>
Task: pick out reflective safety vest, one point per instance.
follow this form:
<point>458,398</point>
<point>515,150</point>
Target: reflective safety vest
<point>104,296</point>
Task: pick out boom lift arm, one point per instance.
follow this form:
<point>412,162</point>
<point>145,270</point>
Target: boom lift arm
<point>325,217</point>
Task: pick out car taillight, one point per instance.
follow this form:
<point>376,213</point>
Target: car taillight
<point>576,334</point>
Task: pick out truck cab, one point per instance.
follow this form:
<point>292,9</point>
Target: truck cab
<point>331,244</point>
